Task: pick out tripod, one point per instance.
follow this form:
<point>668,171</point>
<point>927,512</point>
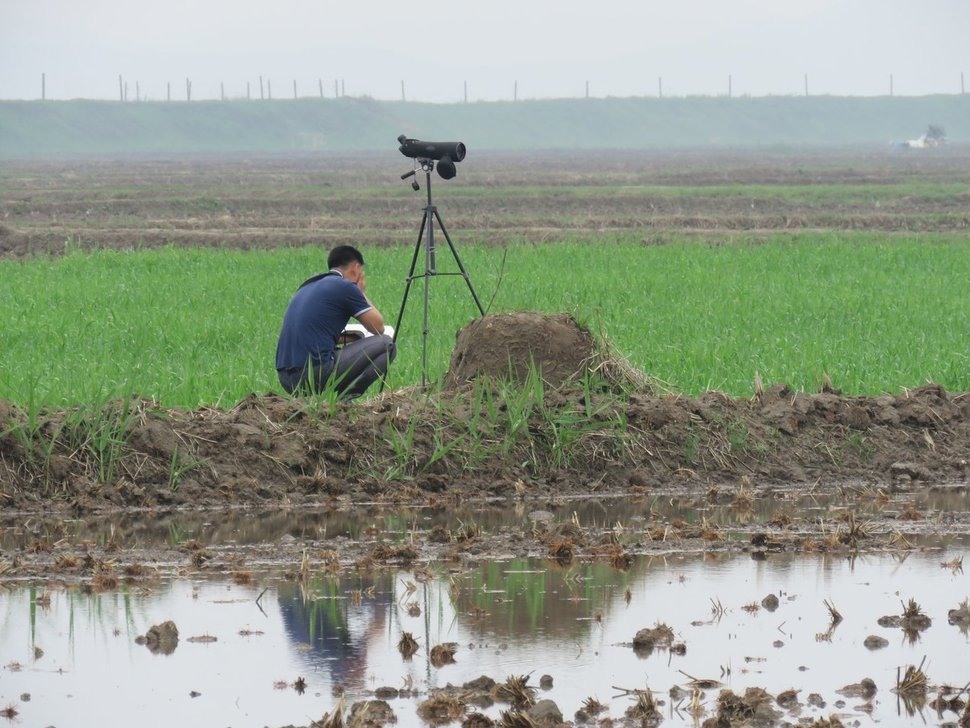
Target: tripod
<point>430,269</point>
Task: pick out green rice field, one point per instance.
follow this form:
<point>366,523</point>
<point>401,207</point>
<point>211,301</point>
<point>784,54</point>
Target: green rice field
<point>193,327</point>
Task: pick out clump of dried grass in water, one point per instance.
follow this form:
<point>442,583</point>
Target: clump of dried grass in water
<point>477,720</point>
<point>912,687</point>
<point>914,682</point>
<point>443,654</point>
<point>516,719</point>
<point>563,550</point>
<point>645,709</point>
<point>10,712</point>
<point>834,615</point>
<point>407,645</point>
<point>592,706</point>
<point>912,610</point>
<point>441,708</point>
<point>831,722</point>
<point>334,719</point>
<point>852,531</point>
<point>517,691</point>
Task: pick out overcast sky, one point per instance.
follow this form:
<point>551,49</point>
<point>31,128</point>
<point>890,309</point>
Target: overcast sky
<point>550,48</point>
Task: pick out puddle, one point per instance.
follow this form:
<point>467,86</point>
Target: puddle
<point>68,653</point>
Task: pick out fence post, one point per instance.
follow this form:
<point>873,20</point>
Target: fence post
<point>121,89</point>
<point>466,92</point>
<point>336,90</point>
<point>137,91</point>
<point>320,82</point>
<point>125,96</point>
<point>261,97</point>
<point>729,85</point>
<point>43,86</point>
<point>890,84</point>
<point>806,84</point>
<point>660,87</point>
<point>168,90</point>
<point>587,89</point>
<point>515,92</point>
<point>222,91</point>
<point>294,89</point>
<point>247,91</point>
<point>961,83</point>
<point>269,89</point>
<point>343,89</point>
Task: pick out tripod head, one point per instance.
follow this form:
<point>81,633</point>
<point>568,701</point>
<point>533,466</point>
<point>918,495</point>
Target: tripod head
<point>426,166</point>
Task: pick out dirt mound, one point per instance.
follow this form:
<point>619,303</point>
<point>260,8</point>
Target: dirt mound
<point>510,344</point>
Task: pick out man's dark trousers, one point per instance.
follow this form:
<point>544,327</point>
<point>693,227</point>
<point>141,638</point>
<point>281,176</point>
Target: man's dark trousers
<point>353,369</point>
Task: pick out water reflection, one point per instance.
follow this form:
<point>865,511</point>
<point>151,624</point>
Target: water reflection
<point>330,622</point>
<point>508,617</point>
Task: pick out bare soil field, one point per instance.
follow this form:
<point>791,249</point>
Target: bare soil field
<point>286,201</point>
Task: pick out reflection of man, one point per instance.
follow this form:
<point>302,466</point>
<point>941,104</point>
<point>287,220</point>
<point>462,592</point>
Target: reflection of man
<point>307,358</point>
<point>340,637</point>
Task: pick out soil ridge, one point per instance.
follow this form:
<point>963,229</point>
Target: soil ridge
<point>409,447</point>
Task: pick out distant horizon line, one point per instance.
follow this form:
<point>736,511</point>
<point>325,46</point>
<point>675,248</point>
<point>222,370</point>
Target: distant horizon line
<point>461,102</point>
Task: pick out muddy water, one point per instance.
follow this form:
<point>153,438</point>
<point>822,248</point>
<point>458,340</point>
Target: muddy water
<point>945,518</point>
<point>77,659</point>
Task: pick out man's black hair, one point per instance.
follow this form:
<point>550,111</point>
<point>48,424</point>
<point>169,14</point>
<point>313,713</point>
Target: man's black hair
<point>344,255</point>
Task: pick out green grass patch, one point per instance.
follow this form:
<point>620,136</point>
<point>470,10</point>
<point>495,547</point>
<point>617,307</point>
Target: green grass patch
<point>193,327</point>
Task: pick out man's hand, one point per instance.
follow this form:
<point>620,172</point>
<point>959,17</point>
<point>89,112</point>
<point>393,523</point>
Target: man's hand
<point>361,283</point>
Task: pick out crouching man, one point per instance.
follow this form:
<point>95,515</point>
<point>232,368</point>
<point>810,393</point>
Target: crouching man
<point>307,357</point>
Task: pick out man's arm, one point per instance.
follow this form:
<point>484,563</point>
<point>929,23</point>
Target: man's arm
<point>372,320</point>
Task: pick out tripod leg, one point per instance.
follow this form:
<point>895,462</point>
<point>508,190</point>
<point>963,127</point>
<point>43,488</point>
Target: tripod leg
<point>461,267</point>
<point>414,261</point>
<point>425,222</point>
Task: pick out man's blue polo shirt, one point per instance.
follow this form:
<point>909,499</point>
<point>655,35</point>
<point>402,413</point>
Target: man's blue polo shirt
<point>317,314</point>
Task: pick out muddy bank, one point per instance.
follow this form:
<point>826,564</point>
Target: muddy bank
<point>476,442</point>
<point>569,417</point>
